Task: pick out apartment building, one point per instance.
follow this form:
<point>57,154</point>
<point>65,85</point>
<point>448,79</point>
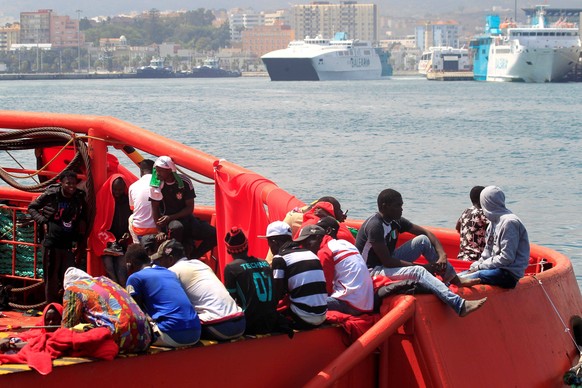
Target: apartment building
<point>440,33</point>
<point>359,21</point>
<point>263,39</point>
<point>45,26</point>
<point>9,36</point>
<point>240,20</point>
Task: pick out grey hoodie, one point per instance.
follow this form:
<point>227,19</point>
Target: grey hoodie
<point>507,241</point>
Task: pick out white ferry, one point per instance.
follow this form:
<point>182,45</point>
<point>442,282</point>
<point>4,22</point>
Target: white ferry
<point>444,59</point>
<point>320,59</point>
<point>538,52</point>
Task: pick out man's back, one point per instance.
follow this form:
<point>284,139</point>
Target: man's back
<point>206,292</point>
<point>139,200</point>
<point>250,281</point>
<point>164,298</point>
<point>351,282</point>
<point>298,271</point>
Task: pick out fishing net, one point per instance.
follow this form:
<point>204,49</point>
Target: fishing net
<point>23,231</point>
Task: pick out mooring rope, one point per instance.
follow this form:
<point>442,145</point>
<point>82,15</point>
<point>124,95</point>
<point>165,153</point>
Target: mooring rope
<point>566,328</point>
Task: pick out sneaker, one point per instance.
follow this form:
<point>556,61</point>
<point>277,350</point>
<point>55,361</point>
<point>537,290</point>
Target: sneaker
<point>113,249</point>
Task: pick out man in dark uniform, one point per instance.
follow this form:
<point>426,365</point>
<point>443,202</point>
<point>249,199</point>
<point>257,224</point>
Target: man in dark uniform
<point>172,196</point>
<point>61,212</point>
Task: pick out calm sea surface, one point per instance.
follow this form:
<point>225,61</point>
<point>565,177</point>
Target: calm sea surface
<point>430,140</point>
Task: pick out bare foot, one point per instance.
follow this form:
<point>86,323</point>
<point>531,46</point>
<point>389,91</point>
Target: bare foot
<point>471,305</point>
<point>463,282</point>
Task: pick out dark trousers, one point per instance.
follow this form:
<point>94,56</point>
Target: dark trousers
<point>55,262</point>
<point>189,229</point>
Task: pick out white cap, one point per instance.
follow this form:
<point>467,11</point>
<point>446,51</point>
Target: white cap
<point>165,162</point>
<point>278,228</point>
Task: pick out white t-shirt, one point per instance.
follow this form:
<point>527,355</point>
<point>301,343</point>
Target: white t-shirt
<point>139,201</point>
<point>206,292</point>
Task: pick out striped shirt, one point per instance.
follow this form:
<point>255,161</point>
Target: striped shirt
<point>298,272</point>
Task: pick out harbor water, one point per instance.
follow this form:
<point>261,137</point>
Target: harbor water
<point>430,140</point>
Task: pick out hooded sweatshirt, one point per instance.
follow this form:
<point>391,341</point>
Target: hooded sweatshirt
<point>507,244</point>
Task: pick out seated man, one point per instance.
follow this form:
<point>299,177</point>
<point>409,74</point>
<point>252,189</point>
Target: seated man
<point>172,196</point>
<point>250,282</point>
<point>377,239</point>
<point>221,318</point>
<point>110,235</point>
<point>102,302</point>
<point>141,222</point>
<point>506,254</point>
<point>297,272</point>
<point>471,226</point>
<point>349,284</point>
<point>159,293</point>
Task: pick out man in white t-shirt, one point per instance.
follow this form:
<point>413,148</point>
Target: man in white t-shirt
<point>141,222</point>
<point>221,318</point>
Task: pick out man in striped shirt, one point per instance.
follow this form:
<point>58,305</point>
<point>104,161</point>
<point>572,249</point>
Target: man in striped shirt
<point>297,273</point>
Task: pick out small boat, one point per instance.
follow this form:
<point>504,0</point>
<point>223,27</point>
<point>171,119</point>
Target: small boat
<point>320,59</point>
<point>538,52</point>
<point>211,69</point>
<point>528,336</point>
<point>155,69</point>
<point>444,59</point>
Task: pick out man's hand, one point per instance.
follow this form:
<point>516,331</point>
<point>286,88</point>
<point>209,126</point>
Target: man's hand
<point>163,221</point>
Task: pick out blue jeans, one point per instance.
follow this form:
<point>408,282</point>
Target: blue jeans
<point>494,277</point>
<point>224,331</point>
<point>421,245</point>
<point>425,279</point>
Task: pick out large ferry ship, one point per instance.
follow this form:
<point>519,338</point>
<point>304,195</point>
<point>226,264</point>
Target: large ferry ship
<point>447,59</point>
<point>320,59</point>
<point>538,52</point>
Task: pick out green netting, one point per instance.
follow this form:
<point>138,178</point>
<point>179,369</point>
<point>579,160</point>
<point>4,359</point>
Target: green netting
<point>24,232</point>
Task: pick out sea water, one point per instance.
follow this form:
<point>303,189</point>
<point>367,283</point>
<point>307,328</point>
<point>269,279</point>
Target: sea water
<point>432,141</point>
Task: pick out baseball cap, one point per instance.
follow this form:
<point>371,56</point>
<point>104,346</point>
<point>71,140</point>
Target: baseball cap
<point>169,247</point>
<point>278,228</point>
<point>148,242</point>
<point>328,222</point>
<point>165,162</point>
<point>310,230</point>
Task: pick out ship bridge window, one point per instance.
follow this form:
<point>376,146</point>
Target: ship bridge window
<point>366,52</point>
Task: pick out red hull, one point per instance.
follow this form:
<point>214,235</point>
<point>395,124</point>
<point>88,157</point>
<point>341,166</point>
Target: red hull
<point>521,337</point>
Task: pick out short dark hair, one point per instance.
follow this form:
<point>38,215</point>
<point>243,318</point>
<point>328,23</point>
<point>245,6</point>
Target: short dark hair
<point>476,193</point>
<point>146,166</point>
<point>137,254</point>
<point>388,196</point>
<point>68,174</point>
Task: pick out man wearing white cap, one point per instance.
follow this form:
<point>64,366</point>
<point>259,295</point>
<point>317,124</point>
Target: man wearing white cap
<point>172,196</point>
<point>298,273</point>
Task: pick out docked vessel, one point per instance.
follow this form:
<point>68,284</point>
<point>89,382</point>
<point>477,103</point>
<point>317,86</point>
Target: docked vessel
<point>528,336</point>
<point>211,69</point>
<point>444,59</point>
<point>320,59</point>
<point>538,52</point>
<point>155,69</point>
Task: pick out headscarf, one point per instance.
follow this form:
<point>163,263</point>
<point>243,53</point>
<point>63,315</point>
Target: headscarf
<point>73,274</point>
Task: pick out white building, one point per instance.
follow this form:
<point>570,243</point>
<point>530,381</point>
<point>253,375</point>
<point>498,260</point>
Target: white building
<point>240,20</point>
<point>437,34</point>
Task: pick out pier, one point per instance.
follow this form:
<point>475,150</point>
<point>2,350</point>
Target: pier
<point>450,76</point>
